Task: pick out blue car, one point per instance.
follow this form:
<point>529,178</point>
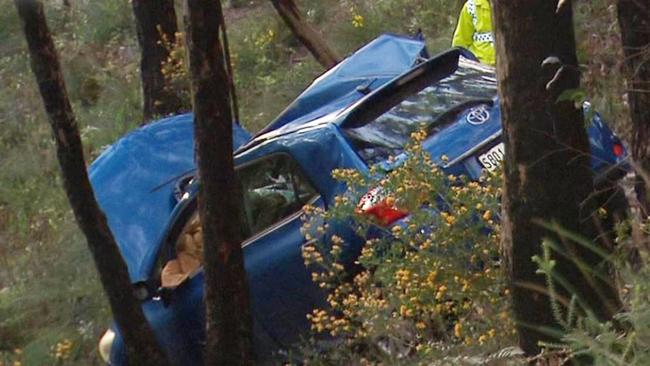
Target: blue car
<point>355,115</point>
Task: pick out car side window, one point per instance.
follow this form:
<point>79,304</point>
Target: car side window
<point>273,188</point>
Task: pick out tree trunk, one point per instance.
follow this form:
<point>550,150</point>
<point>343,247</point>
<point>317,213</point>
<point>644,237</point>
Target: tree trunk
<point>155,19</point>
<point>547,173</point>
<point>228,324</point>
<point>231,75</point>
<point>138,337</point>
<point>307,35</point>
<point>634,21</point>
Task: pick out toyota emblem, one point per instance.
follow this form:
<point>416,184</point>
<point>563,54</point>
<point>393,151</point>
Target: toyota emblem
<point>478,115</point>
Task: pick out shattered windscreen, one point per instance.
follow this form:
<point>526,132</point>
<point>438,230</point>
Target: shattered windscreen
<point>430,108</point>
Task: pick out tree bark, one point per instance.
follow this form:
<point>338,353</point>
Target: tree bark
<point>548,176</point>
<point>307,35</point>
<point>228,323</point>
<point>142,348</point>
<point>153,20</point>
<point>229,70</point>
<point>634,22</point>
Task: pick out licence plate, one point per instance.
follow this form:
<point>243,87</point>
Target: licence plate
<point>492,159</point>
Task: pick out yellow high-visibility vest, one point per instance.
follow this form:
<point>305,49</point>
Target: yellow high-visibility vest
<point>474,30</point>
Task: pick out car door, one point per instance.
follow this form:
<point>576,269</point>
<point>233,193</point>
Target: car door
<point>273,192</point>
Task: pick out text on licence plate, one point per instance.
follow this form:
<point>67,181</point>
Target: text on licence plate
<point>492,159</point>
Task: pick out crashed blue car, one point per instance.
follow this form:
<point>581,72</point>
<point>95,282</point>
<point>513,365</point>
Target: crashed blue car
<point>355,115</point>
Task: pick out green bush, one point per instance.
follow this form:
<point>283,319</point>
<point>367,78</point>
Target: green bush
<point>625,339</point>
<point>425,291</point>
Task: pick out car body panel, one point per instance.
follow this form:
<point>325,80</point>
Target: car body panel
<point>281,288</point>
<point>134,178</point>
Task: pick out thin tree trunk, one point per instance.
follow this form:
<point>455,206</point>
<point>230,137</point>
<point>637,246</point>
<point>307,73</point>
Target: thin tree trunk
<point>634,22</point>
<point>307,35</point>
<point>228,323</point>
<point>547,173</point>
<point>138,337</point>
<point>155,19</point>
<point>231,75</point>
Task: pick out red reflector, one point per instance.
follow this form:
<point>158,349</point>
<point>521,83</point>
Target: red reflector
<point>385,214</point>
<point>375,204</point>
<point>618,150</point>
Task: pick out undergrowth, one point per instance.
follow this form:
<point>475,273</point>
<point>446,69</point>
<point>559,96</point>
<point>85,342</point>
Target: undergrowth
<point>52,309</point>
<point>425,290</point>
<point>625,339</point>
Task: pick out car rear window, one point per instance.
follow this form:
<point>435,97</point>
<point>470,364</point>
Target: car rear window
<point>388,134</point>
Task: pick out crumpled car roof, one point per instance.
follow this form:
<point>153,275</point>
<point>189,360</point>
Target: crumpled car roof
<point>134,179</point>
<point>370,67</point>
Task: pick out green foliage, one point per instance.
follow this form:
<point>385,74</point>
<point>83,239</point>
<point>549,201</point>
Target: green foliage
<point>101,22</point>
<point>625,339</point>
<point>367,19</point>
<point>48,290</point>
<point>601,59</point>
<point>423,291</point>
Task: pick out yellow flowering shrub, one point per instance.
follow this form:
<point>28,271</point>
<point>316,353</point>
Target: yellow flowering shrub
<point>357,21</point>
<point>62,351</point>
<point>262,44</point>
<point>427,287</point>
<point>11,358</point>
<point>174,68</point>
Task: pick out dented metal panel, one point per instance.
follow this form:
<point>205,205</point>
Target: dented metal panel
<point>134,179</point>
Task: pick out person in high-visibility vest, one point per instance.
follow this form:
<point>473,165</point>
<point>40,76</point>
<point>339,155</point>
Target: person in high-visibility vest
<point>474,30</point>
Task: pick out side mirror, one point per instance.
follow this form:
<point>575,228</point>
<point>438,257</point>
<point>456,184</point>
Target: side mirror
<point>149,290</point>
<point>144,290</point>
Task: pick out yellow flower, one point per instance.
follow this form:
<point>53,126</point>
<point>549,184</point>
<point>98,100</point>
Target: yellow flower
<point>441,292</point>
<point>487,215</point>
<point>336,240</point>
<point>336,250</point>
<point>405,311</point>
<point>458,330</point>
<point>465,286</point>
<point>450,219</point>
<point>357,21</point>
<point>63,349</point>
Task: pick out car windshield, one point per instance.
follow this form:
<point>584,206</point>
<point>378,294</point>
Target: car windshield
<point>428,108</point>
